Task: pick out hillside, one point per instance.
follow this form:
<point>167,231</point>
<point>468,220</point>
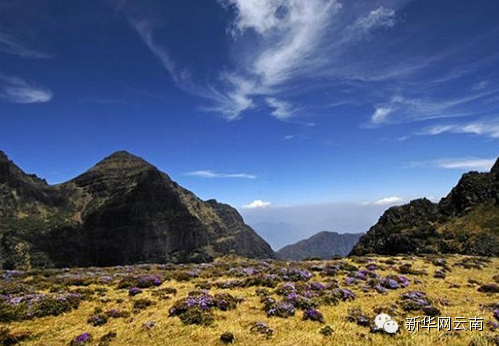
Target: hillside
<point>322,245</point>
<point>466,221</point>
<point>121,211</point>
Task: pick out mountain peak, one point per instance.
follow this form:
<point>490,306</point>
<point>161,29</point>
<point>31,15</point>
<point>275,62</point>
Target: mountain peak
<point>124,156</point>
<point>121,160</point>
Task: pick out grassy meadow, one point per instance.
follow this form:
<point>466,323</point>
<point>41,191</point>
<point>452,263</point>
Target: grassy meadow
<point>251,302</point>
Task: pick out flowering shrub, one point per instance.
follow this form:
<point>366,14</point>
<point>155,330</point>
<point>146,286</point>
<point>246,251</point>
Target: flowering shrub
<point>301,302</point>
<point>282,309</point>
<point>394,282</point>
<point>313,315</point>
<point>295,274</point>
<point>97,320</point>
<point>357,316</point>
<point>224,301</point>
<point>140,281</point>
<point>29,306</point>
<point>414,300</point>
<point>81,339</point>
<point>343,294</point>
<point>197,307</point>
<point>133,291</point>
<point>265,280</point>
<point>228,284</point>
<point>286,289</point>
<point>115,313</point>
<point>261,328</point>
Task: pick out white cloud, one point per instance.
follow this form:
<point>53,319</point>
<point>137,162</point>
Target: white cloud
<point>488,128</point>
<point>407,109</point>
<point>10,45</point>
<point>468,164</point>
<point>380,114</point>
<point>282,110</point>
<point>21,91</point>
<point>386,201</point>
<point>212,174</point>
<point>257,204</point>
<point>288,137</point>
<point>379,18</point>
<point>279,46</point>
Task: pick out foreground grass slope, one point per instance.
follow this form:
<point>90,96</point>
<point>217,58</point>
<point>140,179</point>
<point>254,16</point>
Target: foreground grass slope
<point>258,302</point>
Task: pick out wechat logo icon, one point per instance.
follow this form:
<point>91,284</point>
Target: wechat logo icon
<point>385,322</point>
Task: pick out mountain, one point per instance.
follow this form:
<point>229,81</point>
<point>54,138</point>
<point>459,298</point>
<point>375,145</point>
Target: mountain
<point>121,211</point>
<point>322,245</point>
<point>466,221</point>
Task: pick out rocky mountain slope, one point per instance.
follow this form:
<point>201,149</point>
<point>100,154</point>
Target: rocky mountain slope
<point>466,221</point>
<point>121,211</point>
<point>322,245</point>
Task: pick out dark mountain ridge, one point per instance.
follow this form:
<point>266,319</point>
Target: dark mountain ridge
<point>121,211</point>
<point>323,245</point>
<point>466,221</point>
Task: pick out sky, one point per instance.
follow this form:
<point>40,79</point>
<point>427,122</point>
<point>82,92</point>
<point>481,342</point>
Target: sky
<point>277,107</point>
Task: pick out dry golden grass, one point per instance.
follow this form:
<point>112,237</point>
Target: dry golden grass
<point>463,301</point>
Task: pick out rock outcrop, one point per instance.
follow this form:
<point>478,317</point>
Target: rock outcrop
<point>466,221</point>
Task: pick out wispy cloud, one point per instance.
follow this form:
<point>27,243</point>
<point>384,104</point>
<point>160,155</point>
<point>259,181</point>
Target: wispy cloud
<point>378,18</point>
<point>18,90</point>
<point>282,110</point>
<point>380,114</point>
<point>386,201</point>
<point>282,41</point>
<point>488,128</point>
<point>283,48</point>
<point>466,163</point>
<point>403,109</point>
<point>10,45</point>
<point>257,204</point>
<point>478,164</point>
<point>212,174</point>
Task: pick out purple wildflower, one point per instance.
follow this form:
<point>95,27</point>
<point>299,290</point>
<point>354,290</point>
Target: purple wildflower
<point>403,281</point>
<point>380,289</point>
<point>390,283</point>
<point>317,286</point>
<point>313,315</point>
<point>81,339</point>
<point>134,291</point>
<point>350,281</point>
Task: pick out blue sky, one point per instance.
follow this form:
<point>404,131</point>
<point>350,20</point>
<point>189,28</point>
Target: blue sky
<point>258,103</point>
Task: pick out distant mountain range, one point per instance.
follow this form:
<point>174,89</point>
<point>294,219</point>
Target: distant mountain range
<point>322,245</point>
<point>466,221</point>
<point>121,211</point>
